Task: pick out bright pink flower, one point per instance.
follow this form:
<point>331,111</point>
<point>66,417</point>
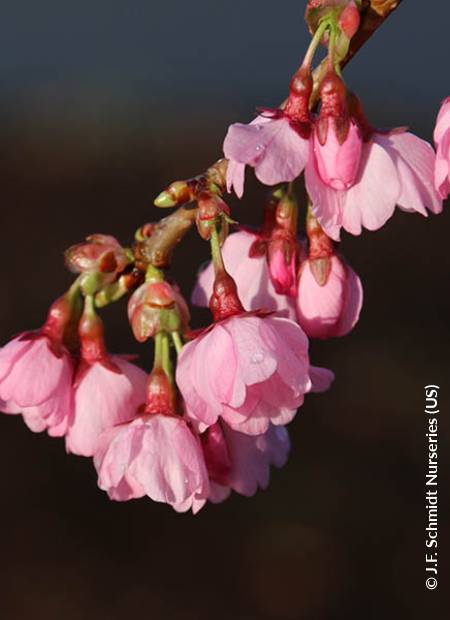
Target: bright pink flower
<point>442,142</point>
<point>36,379</point>
<point>274,147</point>
<point>251,275</point>
<point>338,163</point>
<point>395,169</point>
<point>246,369</point>
<point>239,462</point>
<point>106,394</point>
<point>332,309</point>
<point>155,455</point>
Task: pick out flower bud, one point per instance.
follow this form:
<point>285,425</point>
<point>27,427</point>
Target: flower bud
<point>337,138</point>
<point>155,307</point>
<point>282,260</point>
<point>330,309</point>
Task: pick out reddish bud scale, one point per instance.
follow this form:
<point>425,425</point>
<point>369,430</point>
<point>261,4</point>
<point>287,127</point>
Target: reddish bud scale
<point>225,300</point>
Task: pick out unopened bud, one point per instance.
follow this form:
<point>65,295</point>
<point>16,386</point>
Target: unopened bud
<point>178,193</point>
<point>156,307</point>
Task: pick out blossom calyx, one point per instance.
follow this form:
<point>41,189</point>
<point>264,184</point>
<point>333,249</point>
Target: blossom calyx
<point>224,301</point>
<point>161,397</point>
<point>300,90</point>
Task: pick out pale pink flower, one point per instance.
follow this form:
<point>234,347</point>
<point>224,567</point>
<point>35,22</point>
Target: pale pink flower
<point>239,462</point>
<point>155,455</point>
<point>251,275</point>
<point>106,394</point>
<point>246,369</point>
<point>442,142</point>
<point>332,309</point>
<point>396,169</point>
<point>274,146</point>
<point>36,379</point>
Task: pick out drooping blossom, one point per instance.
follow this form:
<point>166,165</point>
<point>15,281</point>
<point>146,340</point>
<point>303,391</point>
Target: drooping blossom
<point>251,274</point>
<point>239,462</point>
<point>275,143</point>
<point>248,370</point>
<point>396,169</point>
<point>156,454</point>
<point>107,392</point>
<point>36,374</point>
<point>331,308</point>
<point>108,388</point>
<point>442,142</point>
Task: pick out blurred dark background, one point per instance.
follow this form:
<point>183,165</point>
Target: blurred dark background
<point>102,104</point>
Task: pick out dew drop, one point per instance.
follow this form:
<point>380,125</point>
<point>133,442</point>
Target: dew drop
<point>257,358</point>
<point>258,147</point>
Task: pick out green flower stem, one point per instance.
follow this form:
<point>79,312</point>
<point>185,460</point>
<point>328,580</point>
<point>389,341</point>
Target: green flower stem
<point>315,42</point>
<point>216,253</point>
<point>177,341</point>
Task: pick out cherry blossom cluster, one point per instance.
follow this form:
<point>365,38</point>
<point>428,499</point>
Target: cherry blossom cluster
<point>211,416</point>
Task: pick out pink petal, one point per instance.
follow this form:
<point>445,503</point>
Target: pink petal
<point>371,201</point>
<point>235,177</point>
<point>352,305</point>
<point>415,161</point>
<point>442,121</point>
<point>321,379</point>
<point>327,203</point>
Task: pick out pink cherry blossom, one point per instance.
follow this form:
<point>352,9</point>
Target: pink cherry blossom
<point>395,169</point>
<point>338,163</point>
<point>239,462</point>
<point>105,395</point>
<point>273,146</point>
<point>36,380</point>
<point>251,275</point>
<point>442,142</point>
<point>155,455</point>
<point>248,370</point>
<point>332,309</point>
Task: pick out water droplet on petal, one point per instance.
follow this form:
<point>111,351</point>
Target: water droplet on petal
<point>258,147</point>
<point>257,357</point>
